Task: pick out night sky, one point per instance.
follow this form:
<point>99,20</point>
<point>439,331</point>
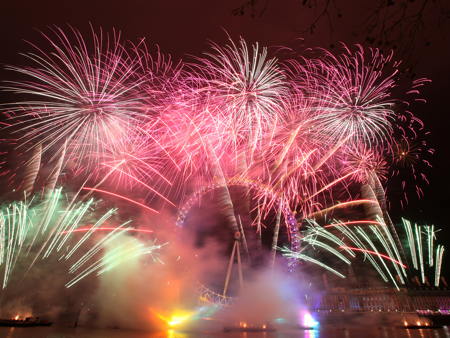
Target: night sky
<point>184,27</point>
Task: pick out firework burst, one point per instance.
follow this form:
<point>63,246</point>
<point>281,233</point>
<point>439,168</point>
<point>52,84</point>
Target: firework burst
<point>82,93</point>
<point>351,94</point>
<point>410,163</point>
<point>363,162</point>
<point>245,89</point>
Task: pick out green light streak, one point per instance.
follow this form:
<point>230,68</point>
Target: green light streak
<point>291,254</point>
<point>48,230</point>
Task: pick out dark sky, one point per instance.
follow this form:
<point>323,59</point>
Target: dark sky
<point>183,27</point>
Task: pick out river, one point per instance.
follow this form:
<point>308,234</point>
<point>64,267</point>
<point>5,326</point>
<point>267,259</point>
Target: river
<point>329,332</point>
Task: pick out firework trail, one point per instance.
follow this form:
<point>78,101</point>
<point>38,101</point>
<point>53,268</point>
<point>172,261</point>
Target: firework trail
<point>141,205</point>
<point>132,164</point>
<point>56,171</point>
<point>32,170</point>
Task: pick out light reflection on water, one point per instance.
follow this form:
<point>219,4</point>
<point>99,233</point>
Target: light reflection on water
<point>373,332</point>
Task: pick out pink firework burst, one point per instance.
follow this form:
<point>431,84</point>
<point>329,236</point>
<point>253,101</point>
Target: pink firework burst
<point>351,93</point>
<point>245,90</point>
<point>82,93</point>
<point>363,162</point>
<point>163,79</point>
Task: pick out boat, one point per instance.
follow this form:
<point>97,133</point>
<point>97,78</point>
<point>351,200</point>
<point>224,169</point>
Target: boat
<point>27,322</point>
<point>247,328</point>
<point>438,318</point>
<point>420,327</point>
<point>300,327</point>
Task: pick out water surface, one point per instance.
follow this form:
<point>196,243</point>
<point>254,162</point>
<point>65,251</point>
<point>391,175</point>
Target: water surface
<point>328,332</point>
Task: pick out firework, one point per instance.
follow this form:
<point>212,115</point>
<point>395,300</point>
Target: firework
<point>293,138</point>
<point>31,171</point>
<point>363,162</point>
<point>163,79</point>
<point>141,205</point>
<point>420,243</point>
<point>351,94</point>
<point>244,89</point>
<point>49,229</point>
<point>409,164</point>
<point>374,240</point>
<point>83,94</point>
